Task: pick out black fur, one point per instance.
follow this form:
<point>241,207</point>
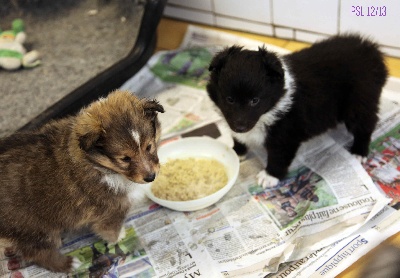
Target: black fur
<point>336,80</point>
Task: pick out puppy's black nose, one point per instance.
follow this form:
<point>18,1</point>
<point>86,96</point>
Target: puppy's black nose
<point>150,178</point>
<point>240,128</point>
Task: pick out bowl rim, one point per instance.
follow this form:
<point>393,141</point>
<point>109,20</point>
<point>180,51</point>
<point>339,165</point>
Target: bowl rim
<point>198,202</point>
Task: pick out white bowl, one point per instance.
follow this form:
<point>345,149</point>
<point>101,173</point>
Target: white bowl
<point>197,147</point>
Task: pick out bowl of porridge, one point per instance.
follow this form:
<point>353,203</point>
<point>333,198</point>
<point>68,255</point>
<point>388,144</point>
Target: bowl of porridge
<point>195,173</point>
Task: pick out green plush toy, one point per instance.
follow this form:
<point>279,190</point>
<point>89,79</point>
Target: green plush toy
<point>12,52</point>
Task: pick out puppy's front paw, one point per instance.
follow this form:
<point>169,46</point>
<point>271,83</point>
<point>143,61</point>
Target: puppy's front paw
<point>266,180</point>
<point>75,264</point>
<point>110,235</point>
<point>242,157</point>
<point>122,234</point>
<point>361,159</point>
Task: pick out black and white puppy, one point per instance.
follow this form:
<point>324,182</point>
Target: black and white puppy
<point>281,101</point>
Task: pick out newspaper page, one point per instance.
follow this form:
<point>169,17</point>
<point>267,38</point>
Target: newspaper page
<point>329,205</point>
<point>384,157</point>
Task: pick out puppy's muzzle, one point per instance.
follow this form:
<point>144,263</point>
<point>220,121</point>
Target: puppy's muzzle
<point>239,127</point>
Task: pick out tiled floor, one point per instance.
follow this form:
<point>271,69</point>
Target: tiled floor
<point>170,35</point>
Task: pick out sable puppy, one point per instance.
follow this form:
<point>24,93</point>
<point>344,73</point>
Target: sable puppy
<point>76,172</point>
<point>281,101</point>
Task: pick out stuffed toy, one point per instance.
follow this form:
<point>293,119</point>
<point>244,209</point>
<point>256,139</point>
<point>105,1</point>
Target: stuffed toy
<point>13,55</point>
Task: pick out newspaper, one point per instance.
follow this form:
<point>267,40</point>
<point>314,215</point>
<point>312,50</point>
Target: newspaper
<point>383,166</point>
<point>328,212</point>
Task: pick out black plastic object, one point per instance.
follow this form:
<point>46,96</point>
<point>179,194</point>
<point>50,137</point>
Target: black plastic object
<point>113,77</point>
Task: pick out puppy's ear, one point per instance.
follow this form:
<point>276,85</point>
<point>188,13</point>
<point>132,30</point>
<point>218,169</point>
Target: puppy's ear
<point>89,131</point>
<point>220,59</point>
<point>272,64</point>
<point>91,140</point>
<point>151,107</point>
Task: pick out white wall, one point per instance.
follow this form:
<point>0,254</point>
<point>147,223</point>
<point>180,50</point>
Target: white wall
<point>302,20</point>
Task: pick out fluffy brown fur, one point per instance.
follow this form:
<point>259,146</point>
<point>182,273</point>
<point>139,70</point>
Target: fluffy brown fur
<point>74,173</point>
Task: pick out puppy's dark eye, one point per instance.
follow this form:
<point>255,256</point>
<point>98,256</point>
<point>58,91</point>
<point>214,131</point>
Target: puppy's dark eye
<point>148,148</point>
<point>230,100</point>
<point>126,159</point>
<point>254,101</point>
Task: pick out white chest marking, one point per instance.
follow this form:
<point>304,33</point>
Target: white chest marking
<point>257,135</point>
<point>116,182</point>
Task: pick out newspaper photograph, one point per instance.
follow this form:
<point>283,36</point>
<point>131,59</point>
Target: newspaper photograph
<point>329,211</point>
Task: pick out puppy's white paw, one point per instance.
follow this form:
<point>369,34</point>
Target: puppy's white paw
<point>122,234</point>
<point>242,157</point>
<point>76,263</point>
<point>361,159</point>
<point>266,180</point>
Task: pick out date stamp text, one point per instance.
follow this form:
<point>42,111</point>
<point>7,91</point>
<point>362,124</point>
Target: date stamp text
<point>369,10</point>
